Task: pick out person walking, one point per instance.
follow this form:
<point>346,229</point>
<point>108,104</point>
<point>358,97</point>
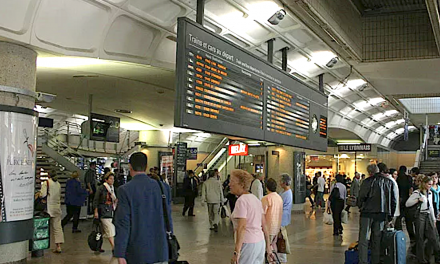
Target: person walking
<point>377,204</point>
<point>287,196</point>
<point>354,189</point>
<point>104,207</point>
<point>273,212</point>
<point>250,230</point>
<point>232,199</point>
<point>52,190</point>
<point>90,182</point>
<point>425,219</point>
<point>391,176</point>
<point>405,184</point>
<point>309,188</point>
<point>321,188</point>
<point>142,237</point>
<point>74,198</point>
<point>212,194</point>
<point>338,195</point>
<point>190,184</point>
<point>257,186</point>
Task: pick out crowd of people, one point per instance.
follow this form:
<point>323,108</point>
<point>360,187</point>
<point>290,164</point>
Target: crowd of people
<point>259,214</point>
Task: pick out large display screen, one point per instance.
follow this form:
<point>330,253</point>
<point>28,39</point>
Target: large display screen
<point>224,89</point>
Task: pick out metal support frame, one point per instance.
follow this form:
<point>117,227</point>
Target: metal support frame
<point>270,50</point>
<point>200,12</point>
<point>321,82</point>
<point>284,58</point>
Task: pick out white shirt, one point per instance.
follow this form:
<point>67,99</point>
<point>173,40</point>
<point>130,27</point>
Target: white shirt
<point>321,184</point>
<point>257,189</point>
<point>396,194</point>
<point>53,197</point>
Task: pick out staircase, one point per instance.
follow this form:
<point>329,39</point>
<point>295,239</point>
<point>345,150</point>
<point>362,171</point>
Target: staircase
<point>44,165</point>
<point>428,166</point>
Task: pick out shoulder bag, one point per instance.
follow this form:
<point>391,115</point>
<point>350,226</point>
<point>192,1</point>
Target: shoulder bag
<point>105,210</point>
<point>414,211</point>
<point>40,203</point>
<point>173,244</point>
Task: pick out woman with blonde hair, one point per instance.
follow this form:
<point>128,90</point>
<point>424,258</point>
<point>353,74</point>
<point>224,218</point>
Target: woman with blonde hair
<point>105,205</point>
<point>75,197</point>
<point>251,235</point>
<point>52,190</point>
<point>425,217</point>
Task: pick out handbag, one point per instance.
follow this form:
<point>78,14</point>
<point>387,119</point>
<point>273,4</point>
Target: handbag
<point>276,261</point>
<point>414,211</point>
<point>344,217</point>
<point>40,203</point>
<point>281,244</point>
<point>106,210</point>
<point>351,201</point>
<point>95,237</point>
<point>173,244</point>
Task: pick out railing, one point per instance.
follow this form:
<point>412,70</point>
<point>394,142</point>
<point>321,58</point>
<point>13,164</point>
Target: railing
<point>211,155</point>
<point>422,153</point>
<point>59,146</point>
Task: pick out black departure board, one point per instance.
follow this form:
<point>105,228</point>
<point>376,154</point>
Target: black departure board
<point>224,89</point>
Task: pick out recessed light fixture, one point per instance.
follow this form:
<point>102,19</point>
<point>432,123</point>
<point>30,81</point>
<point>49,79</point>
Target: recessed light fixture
<point>123,111</point>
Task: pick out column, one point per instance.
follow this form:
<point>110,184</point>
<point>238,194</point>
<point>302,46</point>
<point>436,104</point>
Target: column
<point>17,70</point>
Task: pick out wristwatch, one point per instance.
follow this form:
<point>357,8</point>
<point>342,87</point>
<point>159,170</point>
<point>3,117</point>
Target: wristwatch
<point>236,253</point>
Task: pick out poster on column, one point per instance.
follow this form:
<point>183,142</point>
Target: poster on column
<point>17,166</point>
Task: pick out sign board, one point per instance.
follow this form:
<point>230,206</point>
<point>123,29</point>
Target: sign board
<point>181,152</point>
<point>225,89</point>
<point>353,148</point>
<point>275,153</point>
<point>238,150</point>
<point>192,154</point>
<point>104,128</point>
<point>434,153</point>
<point>17,161</point>
<point>299,177</point>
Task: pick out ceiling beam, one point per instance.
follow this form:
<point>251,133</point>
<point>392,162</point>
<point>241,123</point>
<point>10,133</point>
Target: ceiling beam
<point>434,16</point>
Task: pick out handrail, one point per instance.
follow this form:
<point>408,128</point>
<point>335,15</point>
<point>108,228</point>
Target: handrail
<point>211,155</point>
<point>57,144</point>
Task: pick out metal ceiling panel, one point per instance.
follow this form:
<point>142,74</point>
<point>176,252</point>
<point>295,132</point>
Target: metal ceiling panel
<point>389,6</point>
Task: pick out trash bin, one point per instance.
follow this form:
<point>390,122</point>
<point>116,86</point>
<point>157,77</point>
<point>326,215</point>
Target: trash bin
<point>41,237</point>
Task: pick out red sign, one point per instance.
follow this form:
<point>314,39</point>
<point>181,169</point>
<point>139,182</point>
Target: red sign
<point>238,150</point>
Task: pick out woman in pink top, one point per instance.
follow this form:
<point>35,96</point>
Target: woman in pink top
<point>273,211</point>
<point>251,235</point>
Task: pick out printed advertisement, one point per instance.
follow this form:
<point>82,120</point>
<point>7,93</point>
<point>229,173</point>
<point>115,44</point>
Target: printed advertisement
<point>17,162</point>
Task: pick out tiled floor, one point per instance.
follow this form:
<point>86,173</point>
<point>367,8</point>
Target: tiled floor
<point>311,241</point>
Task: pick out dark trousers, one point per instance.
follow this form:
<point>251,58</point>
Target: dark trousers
<point>376,227</point>
<point>337,207</point>
<point>425,229</point>
<point>189,204</point>
<point>90,210</point>
<point>309,195</point>
<point>72,211</point>
<point>409,223</point>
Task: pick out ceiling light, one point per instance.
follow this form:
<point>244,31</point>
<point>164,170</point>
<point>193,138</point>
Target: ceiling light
<point>327,58</point>
<point>263,9</point>
<point>254,144</point>
<point>137,126</point>
<point>356,83</point>
<point>344,156</point>
<point>123,111</point>
<point>203,135</point>
<point>277,17</point>
<point>67,62</point>
<point>332,62</point>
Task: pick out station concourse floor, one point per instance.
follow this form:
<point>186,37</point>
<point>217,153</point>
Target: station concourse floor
<point>311,240</point>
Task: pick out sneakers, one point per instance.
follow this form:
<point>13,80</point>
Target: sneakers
<point>215,228</point>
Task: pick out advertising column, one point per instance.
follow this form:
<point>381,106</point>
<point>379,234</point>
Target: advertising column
<point>299,181</point>
<point>181,153</point>
<point>18,146</point>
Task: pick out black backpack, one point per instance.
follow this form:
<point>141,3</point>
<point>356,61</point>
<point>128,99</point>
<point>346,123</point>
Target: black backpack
<point>95,237</point>
<point>335,195</point>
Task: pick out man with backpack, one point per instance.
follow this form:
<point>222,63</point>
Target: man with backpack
<point>377,204</point>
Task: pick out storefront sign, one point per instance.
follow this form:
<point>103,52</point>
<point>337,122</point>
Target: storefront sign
<point>238,150</point>
<point>356,147</point>
<point>192,154</point>
<point>17,161</point>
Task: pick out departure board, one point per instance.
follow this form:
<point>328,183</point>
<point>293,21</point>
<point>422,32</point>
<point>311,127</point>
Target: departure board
<point>224,89</point>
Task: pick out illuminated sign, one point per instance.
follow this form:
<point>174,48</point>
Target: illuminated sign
<point>238,150</point>
<point>224,89</point>
<point>356,147</point>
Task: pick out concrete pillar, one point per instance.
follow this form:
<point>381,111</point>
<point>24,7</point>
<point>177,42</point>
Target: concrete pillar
<point>17,70</point>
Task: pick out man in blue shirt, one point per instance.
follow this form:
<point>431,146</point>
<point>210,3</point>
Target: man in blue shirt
<point>139,218</point>
<point>287,196</point>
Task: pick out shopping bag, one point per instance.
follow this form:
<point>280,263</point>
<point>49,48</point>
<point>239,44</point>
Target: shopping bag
<point>95,237</point>
<point>224,211</point>
<point>281,244</point>
<point>344,217</point>
<point>328,219</point>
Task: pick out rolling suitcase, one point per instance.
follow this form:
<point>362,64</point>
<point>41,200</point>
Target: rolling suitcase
<point>393,247</point>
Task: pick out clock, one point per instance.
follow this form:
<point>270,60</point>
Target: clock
<point>314,124</point>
